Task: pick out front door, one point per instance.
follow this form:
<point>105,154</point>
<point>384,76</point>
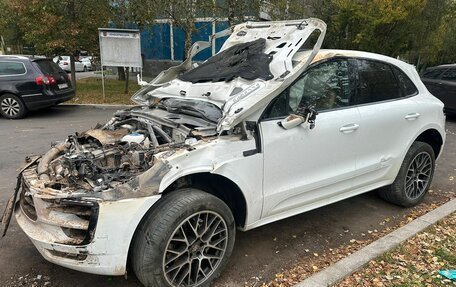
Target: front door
<point>304,166</point>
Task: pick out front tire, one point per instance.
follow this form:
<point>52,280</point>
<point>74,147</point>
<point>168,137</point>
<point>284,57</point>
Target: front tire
<point>186,240</point>
<point>414,177</point>
<point>12,107</point>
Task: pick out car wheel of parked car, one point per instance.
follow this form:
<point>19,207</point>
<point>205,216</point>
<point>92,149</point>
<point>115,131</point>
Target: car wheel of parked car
<point>185,240</point>
<point>12,107</point>
<point>414,177</point>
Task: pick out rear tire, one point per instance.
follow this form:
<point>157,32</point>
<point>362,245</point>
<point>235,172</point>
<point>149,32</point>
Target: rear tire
<point>12,107</point>
<point>185,240</point>
<point>414,177</point>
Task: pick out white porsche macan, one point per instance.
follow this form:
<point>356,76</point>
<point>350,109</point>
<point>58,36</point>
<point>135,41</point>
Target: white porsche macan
<point>269,127</point>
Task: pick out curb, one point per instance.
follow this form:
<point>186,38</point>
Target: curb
<point>346,266</point>
<point>98,106</point>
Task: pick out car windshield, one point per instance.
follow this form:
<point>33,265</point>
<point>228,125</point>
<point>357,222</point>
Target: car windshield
<point>201,109</point>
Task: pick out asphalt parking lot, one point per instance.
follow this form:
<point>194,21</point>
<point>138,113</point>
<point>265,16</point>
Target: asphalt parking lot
<point>259,254</point>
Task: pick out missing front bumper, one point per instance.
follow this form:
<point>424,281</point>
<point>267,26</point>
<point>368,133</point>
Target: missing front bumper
<point>69,221</point>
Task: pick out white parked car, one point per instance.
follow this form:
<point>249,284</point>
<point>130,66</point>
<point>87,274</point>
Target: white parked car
<point>266,129</point>
<point>87,61</point>
<point>64,63</point>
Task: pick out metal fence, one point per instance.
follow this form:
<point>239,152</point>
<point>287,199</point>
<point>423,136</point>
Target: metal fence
<point>165,41</point>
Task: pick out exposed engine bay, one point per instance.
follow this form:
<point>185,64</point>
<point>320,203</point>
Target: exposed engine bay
<point>112,154</point>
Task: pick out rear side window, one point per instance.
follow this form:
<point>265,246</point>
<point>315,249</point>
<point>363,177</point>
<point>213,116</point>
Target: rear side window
<point>376,83</point>
<point>449,75</point>
<point>48,67</point>
<point>432,74</point>
<point>8,68</point>
<point>407,86</point>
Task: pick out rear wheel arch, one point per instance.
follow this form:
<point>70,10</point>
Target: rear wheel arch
<point>433,138</point>
<point>414,177</point>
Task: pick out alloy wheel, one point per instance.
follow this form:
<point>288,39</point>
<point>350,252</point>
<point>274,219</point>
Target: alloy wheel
<point>195,249</point>
<point>418,175</point>
<point>10,107</point>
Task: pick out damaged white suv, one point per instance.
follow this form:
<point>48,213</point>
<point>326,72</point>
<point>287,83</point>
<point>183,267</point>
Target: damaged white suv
<point>268,128</point>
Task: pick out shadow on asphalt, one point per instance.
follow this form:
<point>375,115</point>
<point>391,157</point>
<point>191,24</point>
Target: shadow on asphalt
<point>51,112</point>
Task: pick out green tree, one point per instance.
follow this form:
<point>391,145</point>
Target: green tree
<point>60,26</point>
<point>9,29</point>
<point>419,31</point>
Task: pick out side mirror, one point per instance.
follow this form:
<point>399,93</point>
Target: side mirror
<point>291,121</point>
<point>305,115</point>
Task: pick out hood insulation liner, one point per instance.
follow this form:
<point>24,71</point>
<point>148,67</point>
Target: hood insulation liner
<point>245,60</point>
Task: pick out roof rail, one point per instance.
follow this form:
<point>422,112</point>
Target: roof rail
<point>23,57</point>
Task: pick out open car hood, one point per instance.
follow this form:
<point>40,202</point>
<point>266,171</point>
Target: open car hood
<point>256,62</point>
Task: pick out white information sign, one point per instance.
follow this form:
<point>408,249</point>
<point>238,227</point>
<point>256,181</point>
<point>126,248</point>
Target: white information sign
<point>120,47</point>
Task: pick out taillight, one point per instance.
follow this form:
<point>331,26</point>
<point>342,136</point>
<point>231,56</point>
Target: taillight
<point>52,80</point>
<point>45,80</point>
<point>42,80</point>
<point>65,63</point>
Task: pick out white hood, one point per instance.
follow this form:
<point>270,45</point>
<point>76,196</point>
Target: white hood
<point>239,97</point>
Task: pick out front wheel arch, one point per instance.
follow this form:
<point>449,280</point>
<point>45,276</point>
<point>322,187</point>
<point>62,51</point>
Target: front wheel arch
<point>151,235</point>
<point>219,186</point>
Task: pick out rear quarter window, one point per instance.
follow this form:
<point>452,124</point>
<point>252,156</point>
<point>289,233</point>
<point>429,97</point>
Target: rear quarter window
<point>407,86</point>
<point>10,68</point>
<point>47,67</point>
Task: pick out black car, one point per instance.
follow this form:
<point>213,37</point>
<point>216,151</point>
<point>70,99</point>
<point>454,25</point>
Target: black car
<point>441,82</point>
<point>29,83</point>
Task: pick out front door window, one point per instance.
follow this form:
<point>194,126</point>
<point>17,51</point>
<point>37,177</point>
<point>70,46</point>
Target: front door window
<point>323,87</point>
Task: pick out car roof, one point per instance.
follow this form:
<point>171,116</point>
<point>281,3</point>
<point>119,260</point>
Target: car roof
<point>333,53</point>
<point>445,66</point>
<point>21,57</point>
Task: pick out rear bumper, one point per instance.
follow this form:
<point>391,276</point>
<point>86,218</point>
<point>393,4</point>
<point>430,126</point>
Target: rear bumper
<point>47,100</point>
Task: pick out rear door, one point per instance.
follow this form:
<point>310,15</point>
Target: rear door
<point>389,120</point>
<point>49,68</point>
